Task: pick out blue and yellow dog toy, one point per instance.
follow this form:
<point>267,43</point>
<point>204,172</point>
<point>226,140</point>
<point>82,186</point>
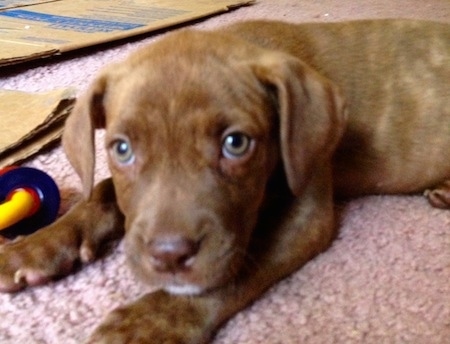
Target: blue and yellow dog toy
<point>29,200</point>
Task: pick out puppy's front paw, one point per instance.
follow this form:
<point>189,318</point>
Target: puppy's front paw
<point>54,250</point>
<point>439,196</point>
<point>37,258</point>
<point>156,318</point>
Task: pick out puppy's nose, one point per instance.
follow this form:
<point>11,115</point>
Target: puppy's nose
<point>172,254</point>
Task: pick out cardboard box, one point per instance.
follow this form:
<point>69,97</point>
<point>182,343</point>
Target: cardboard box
<point>31,121</point>
<point>37,29</point>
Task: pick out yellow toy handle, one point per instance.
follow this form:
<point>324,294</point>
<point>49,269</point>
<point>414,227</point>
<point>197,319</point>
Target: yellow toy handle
<point>19,205</point>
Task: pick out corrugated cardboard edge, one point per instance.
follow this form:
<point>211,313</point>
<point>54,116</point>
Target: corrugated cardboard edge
<point>31,3</point>
<point>55,50</point>
<point>154,27</point>
<point>46,134</point>
<point>21,59</point>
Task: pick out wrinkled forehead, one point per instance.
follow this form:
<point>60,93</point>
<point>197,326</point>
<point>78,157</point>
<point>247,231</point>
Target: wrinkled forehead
<point>182,85</point>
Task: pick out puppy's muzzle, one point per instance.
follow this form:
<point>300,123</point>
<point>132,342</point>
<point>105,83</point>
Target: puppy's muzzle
<point>171,254</point>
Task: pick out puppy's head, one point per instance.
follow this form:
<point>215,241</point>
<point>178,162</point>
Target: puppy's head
<point>195,126</point>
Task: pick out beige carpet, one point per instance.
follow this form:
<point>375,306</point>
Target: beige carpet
<point>386,279</point>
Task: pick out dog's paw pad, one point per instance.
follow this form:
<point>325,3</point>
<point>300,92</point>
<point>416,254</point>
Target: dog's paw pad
<point>439,196</point>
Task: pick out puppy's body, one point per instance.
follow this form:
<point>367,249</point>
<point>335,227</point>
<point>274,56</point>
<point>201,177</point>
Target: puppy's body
<point>395,76</point>
<point>224,147</point>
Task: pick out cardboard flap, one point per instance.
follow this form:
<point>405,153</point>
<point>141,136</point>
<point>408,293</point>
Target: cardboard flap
<point>31,122</point>
<point>35,29</point>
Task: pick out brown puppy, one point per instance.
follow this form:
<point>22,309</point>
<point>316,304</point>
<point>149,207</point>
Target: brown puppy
<point>224,147</point>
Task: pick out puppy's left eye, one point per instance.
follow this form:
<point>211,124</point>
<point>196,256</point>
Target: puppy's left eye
<point>122,152</point>
<point>236,145</point>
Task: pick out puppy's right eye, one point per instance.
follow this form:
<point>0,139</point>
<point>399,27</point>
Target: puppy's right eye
<point>122,152</point>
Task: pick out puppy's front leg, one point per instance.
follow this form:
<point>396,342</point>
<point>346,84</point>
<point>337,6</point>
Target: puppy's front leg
<point>159,318</point>
<point>53,250</point>
<point>174,319</point>
<point>439,196</point>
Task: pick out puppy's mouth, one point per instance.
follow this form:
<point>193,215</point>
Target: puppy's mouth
<point>183,289</point>
<point>180,267</point>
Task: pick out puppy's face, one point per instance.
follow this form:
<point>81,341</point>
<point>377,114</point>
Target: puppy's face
<point>191,141</point>
<point>195,126</point>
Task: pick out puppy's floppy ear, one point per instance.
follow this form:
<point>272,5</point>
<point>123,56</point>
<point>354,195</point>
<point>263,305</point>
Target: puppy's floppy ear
<point>79,132</point>
<point>312,114</point>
